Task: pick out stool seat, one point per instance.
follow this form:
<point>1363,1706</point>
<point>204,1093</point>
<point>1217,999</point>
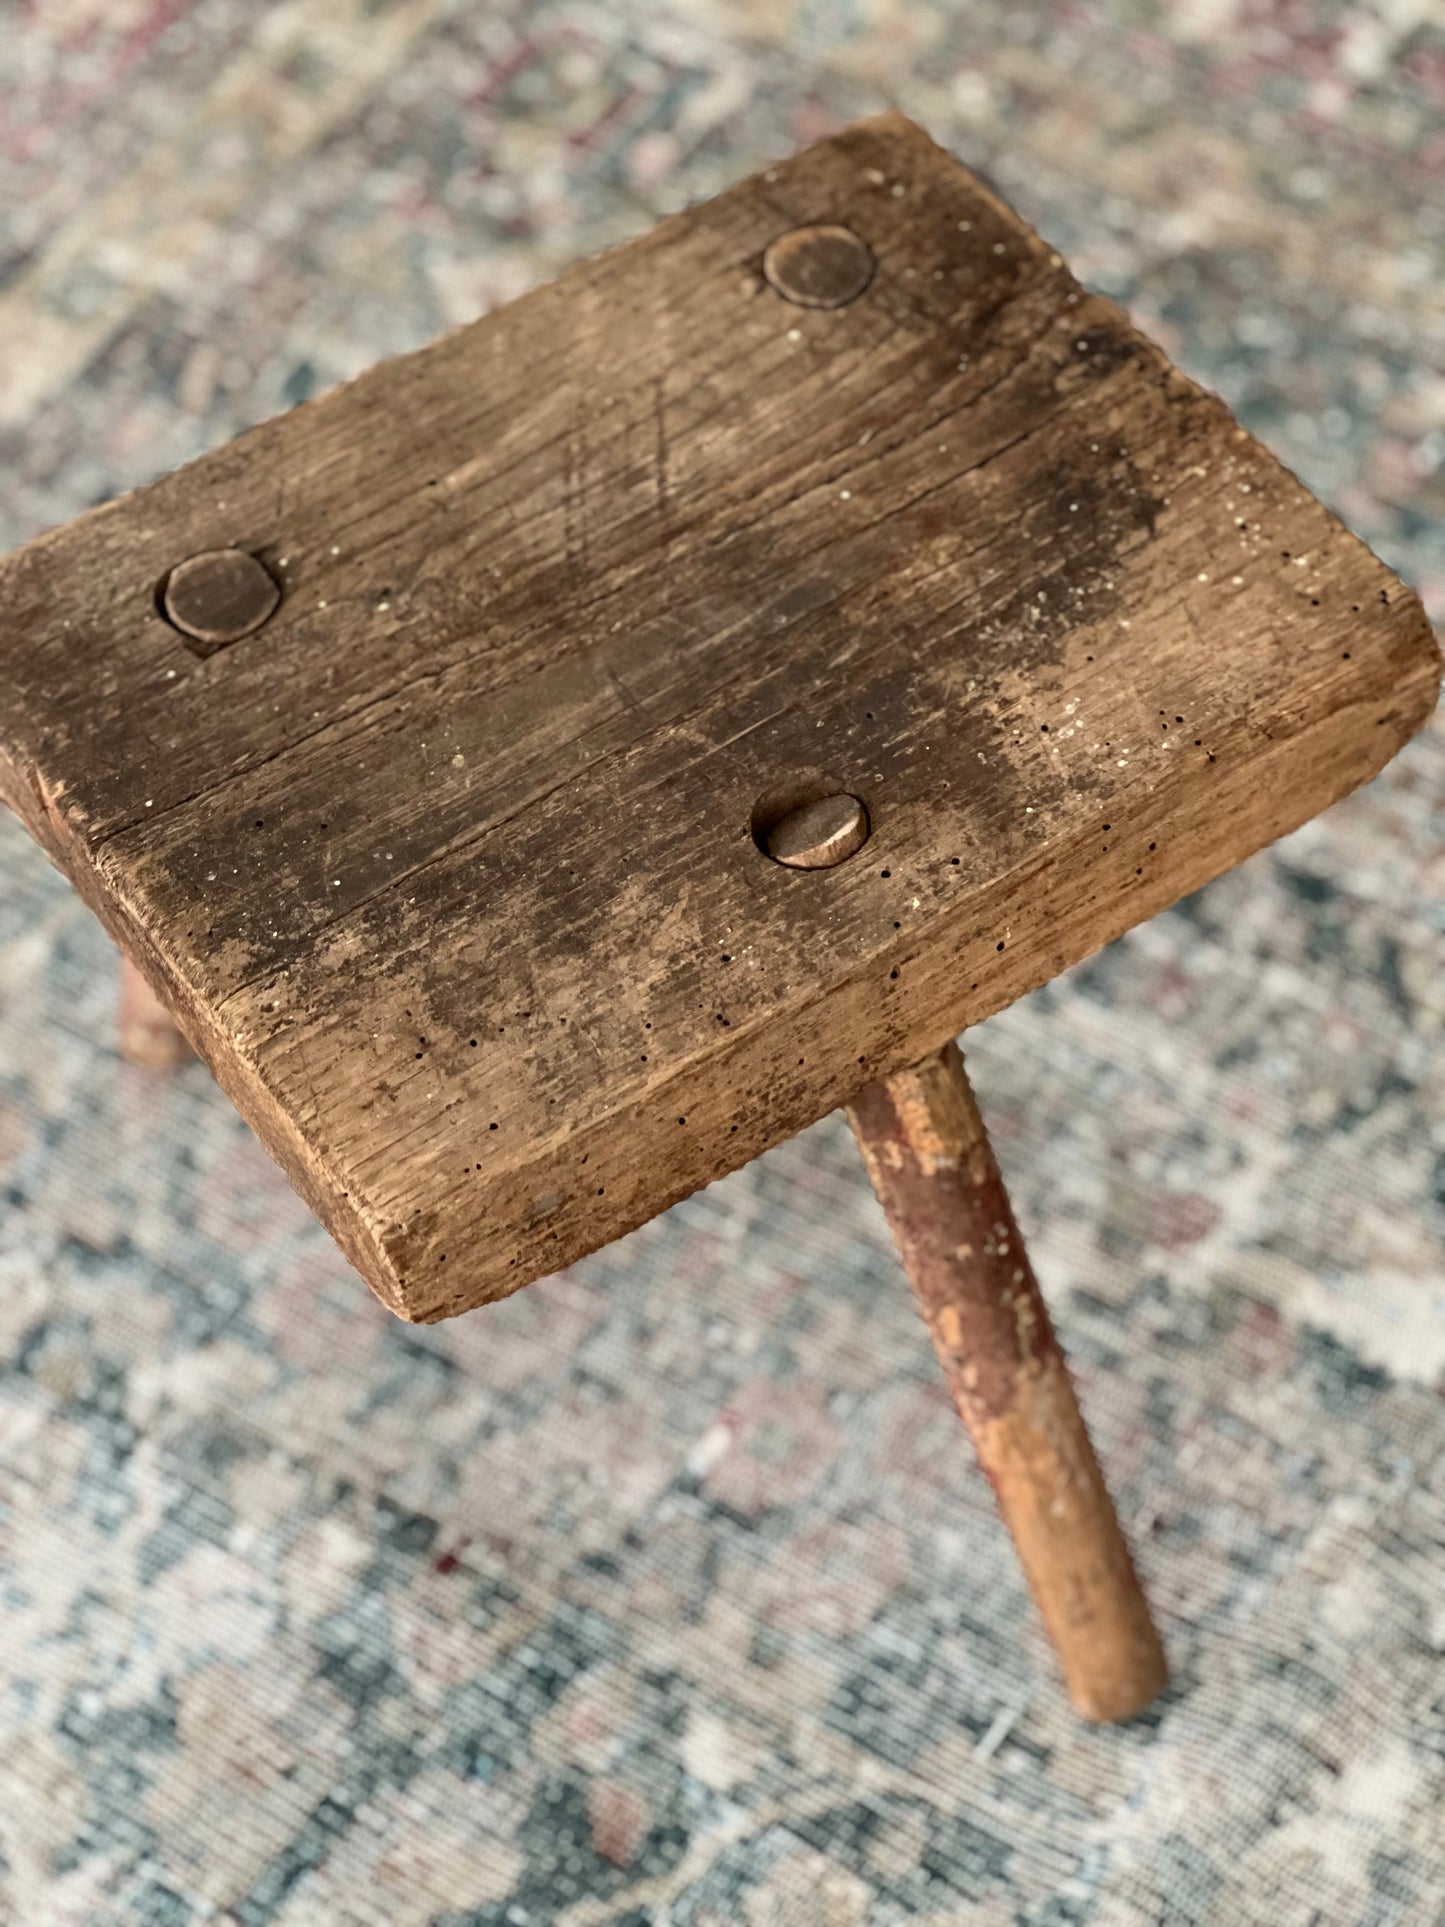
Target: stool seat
<point>424,745</point>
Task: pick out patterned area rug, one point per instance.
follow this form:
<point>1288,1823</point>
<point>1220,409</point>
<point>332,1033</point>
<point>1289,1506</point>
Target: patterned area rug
<point>666,1594</point>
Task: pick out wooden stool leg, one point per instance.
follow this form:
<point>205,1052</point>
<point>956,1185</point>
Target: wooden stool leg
<point>148,1033</point>
<point>930,1162</point>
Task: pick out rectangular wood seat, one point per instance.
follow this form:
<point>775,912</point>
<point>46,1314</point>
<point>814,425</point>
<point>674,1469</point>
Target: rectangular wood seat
<point>451,866</point>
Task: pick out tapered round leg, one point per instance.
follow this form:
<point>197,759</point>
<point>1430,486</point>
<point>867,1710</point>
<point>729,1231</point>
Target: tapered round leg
<point>931,1164</point>
<point>148,1033</point>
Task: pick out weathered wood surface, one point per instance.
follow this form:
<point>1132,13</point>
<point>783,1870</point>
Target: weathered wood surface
<point>447,868</point>
<point>931,1163</point>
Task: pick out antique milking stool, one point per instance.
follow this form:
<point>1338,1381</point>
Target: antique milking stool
<point>544,773</point>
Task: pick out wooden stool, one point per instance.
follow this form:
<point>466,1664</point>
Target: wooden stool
<point>550,770</point>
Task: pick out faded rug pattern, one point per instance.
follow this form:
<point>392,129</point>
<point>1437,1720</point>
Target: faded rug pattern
<point>666,1594</point>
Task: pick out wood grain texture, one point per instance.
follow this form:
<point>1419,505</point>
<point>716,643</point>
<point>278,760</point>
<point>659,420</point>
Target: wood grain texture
<point>447,869</point>
<point>931,1163</point>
